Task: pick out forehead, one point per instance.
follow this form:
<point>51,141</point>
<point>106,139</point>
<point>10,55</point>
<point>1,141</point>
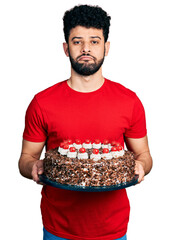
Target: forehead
<point>84,32</point>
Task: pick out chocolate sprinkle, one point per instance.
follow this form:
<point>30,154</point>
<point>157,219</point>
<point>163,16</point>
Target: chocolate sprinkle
<point>87,172</point>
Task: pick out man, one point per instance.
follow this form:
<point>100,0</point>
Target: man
<point>85,106</point>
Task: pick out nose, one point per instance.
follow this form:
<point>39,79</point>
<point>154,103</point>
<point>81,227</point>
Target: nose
<point>85,48</point>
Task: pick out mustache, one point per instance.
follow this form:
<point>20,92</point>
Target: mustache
<point>86,54</point>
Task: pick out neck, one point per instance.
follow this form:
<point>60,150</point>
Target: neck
<point>86,83</point>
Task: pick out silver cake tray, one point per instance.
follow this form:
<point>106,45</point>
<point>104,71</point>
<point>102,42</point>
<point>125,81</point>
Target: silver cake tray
<point>46,181</point>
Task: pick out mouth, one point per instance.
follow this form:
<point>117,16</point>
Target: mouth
<point>85,58</point>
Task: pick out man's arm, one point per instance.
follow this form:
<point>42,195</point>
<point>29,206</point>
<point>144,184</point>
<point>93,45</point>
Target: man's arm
<point>143,163</point>
<point>29,164</point>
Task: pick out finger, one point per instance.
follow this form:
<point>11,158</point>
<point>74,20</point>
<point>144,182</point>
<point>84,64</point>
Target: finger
<point>137,171</point>
<point>34,173</point>
<point>141,177</point>
<point>40,170</point>
<point>40,167</point>
<point>40,183</point>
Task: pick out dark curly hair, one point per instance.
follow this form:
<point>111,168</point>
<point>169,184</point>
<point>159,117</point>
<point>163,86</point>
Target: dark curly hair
<point>86,16</point>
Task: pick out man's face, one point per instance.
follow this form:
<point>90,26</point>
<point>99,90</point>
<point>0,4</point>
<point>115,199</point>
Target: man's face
<point>86,49</point>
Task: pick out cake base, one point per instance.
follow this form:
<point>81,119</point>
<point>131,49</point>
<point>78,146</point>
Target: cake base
<point>55,184</point>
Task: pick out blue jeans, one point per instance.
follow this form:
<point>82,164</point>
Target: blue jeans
<point>49,236</point>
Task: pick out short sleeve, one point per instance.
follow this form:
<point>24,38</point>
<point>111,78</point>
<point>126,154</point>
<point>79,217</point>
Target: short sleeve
<point>35,126</point>
<point>137,128</point>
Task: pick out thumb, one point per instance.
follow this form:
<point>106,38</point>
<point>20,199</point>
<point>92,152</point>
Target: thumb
<point>40,166</point>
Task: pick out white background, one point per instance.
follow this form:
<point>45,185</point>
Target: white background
<point>32,59</point>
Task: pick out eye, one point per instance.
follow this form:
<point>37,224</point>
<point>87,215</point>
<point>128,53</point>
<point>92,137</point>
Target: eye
<point>94,42</point>
<point>77,42</point>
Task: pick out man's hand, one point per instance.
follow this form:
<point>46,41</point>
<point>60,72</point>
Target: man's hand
<point>139,170</point>
<point>29,164</point>
<point>143,163</point>
<point>37,169</point>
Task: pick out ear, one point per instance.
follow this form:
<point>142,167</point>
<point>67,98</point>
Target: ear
<point>65,47</point>
<point>107,46</point>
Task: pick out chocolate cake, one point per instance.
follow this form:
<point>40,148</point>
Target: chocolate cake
<point>106,165</point>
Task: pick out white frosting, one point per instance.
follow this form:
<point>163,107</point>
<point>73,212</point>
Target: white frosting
<point>77,146</point>
<point>72,154</point>
<point>87,145</point>
<point>107,155</point>
<point>97,146</point>
<point>117,154</point>
<point>95,157</point>
<point>121,153</point>
<point>59,149</point>
<point>105,146</point>
<point>71,145</point>
<point>82,155</point>
<point>64,151</point>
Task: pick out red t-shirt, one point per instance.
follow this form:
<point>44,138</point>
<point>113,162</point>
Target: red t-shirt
<point>112,112</point>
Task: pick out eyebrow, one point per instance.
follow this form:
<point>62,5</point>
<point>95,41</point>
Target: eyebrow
<point>82,37</point>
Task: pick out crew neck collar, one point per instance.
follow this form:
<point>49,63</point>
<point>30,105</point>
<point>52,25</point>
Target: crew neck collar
<point>85,93</point>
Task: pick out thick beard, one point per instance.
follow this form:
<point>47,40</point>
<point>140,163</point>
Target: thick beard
<point>86,69</point>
